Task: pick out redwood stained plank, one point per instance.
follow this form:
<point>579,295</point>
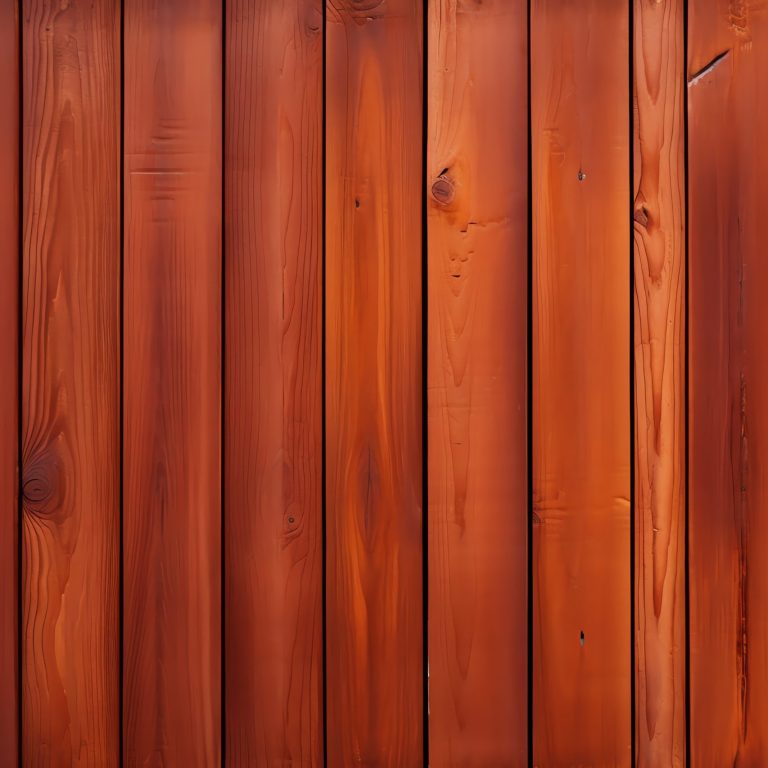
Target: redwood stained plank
<point>172,382</point>
<point>728,376</point>
<point>374,383</point>
<point>273,396</point>
<point>477,382</point>
<point>581,411</point>
<point>659,375</point>
<point>71,382</point>
<point>9,395</point>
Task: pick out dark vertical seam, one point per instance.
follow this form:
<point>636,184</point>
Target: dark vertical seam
<point>684,95</point>
<point>529,394</point>
<point>223,393</point>
<point>424,379</point>
<point>19,383</point>
<point>632,510</point>
<point>323,452</point>
<point>121,575</point>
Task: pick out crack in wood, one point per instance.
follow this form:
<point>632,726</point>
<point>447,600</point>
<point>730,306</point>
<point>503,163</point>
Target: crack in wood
<point>705,70</point>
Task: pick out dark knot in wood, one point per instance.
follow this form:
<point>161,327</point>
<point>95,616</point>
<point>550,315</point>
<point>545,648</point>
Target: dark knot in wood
<point>443,191</point>
<point>41,489</point>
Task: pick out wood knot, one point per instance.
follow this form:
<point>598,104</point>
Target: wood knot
<point>443,190</point>
<point>36,489</point>
<point>41,486</point>
<point>641,216</point>
<point>362,11</point>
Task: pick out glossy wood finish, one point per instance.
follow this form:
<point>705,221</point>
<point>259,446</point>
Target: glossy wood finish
<point>727,125</point>
<point>580,398</point>
<point>71,382</point>
<point>374,383</point>
<point>273,396</point>
<point>476,384</point>
<point>659,374</point>
<point>9,395</point>
<point>172,382</point>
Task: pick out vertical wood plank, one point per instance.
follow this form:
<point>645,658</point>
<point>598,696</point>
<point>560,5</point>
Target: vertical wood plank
<point>273,402</point>
<point>477,391</point>
<point>659,338</point>
<point>9,364</point>
<point>581,418</point>
<point>728,376</point>
<point>71,370</point>
<point>374,381</point>
<point>172,384</point>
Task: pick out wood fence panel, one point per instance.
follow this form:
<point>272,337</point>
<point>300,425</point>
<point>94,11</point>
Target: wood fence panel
<point>9,395</point>
<point>172,361</point>
<point>728,377</point>
<point>477,382</point>
<point>273,394</point>
<point>580,397</point>
<point>71,382</point>
<point>659,344</point>
<point>374,173</point>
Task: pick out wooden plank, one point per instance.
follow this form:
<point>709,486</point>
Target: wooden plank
<point>374,382</point>
<point>477,388</point>
<point>172,382</point>
<point>71,382</point>
<point>659,339</point>
<point>9,395</point>
<point>273,402</point>
<point>728,376</point>
<point>581,410</point>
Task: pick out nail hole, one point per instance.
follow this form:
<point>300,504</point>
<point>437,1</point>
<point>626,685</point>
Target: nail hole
<point>582,175</point>
<point>581,638</point>
<point>357,203</point>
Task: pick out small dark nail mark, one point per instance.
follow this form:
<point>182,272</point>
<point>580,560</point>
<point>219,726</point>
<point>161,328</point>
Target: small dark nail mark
<point>291,520</point>
<point>581,638</point>
<point>582,175</point>
<point>357,203</point>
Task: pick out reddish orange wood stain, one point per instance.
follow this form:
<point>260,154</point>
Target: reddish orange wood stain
<point>71,383</point>
<point>581,449</point>
<point>728,528</point>
<point>476,384</point>
<point>172,383</point>
<point>9,396</point>
<point>659,306</point>
<point>273,397</point>
<point>374,383</point>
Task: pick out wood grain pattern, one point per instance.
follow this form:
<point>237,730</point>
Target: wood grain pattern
<point>172,382</point>
<point>273,402</point>
<point>477,391</point>
<point>659,348</point>
<point>728,377</point>
<point>9,395</point>
<point>581,446</point>
<point>70,390</point>
<point>374,382</point>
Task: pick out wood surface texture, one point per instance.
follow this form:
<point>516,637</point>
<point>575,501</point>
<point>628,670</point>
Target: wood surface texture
<point>477,383</point>
<point>383,383</point>
<point>273,393</point>
<point>71,382</point>
<point>580,398</point>
<point>172,382</point>
<point>728,378</point>
<point>9,381</point>
<point>659,376</point>
<point>374,641</point>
